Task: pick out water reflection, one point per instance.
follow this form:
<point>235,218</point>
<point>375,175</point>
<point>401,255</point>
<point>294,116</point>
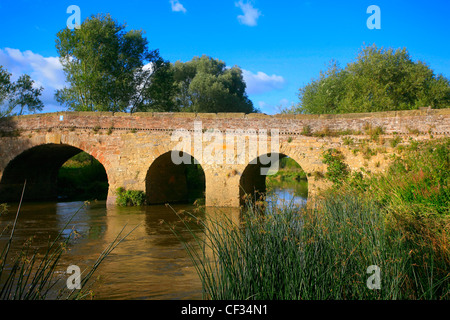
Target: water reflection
<point>287,192</point>
<point>150,264</point>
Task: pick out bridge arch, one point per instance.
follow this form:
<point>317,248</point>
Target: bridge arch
<point>168,182</point>
<point>39,165</point>
<point>253,179</point>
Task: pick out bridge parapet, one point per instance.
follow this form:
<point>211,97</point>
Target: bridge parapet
<point>423,121</point>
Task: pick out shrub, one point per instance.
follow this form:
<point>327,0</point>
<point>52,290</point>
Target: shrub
<point>306,130</point>
<point>130,197</point>
<point>347,141</point>
<point>337,170</point>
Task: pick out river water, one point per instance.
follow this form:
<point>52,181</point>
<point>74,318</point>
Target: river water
<point>151,263</point>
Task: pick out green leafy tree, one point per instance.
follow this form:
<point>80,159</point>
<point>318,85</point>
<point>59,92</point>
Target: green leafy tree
<point>158,90</point>
<point>19,95</point>
<point>104,66</point>
<point>378,80</point>
<point>205,84</point>
<point>5,90</point>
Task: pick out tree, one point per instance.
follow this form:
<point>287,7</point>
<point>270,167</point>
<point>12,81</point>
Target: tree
<point>20,94</point>
<point>5,90</point>
<point>104,66</point>
<point>379,80</point>
<point>157,92</point>
<point>205,84</point>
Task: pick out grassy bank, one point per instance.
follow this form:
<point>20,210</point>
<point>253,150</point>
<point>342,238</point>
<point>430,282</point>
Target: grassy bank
<point>398,222</point>
<point>288,170</point>
<point>82,178</point>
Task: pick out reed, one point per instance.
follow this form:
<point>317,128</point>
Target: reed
<point>322,253</point>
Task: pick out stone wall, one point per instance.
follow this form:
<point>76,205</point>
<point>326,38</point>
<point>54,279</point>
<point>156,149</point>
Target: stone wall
<point>128,144</point>
<point>435,121</point>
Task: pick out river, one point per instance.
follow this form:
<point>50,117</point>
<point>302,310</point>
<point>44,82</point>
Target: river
<point>150,263</point>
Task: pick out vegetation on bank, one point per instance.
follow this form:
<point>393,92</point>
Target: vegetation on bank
<point>82,178</point>
<point>130,198</point>
<point>399,222</point>
<point>288,170</point>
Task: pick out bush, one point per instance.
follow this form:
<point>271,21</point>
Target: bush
<point>337,170</point>
<point>126,198</point>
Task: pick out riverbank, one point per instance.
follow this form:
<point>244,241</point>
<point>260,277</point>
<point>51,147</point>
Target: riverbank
<point>82,178</point>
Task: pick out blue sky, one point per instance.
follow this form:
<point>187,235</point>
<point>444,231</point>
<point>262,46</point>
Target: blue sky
<point>280,45</point>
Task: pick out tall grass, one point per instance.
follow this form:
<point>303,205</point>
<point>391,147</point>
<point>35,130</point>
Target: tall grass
<point>287,253</point>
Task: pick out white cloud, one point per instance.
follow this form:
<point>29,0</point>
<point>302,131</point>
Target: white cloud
<point>177,6</point>
<point>261,82</point>
<point>45,71</point>
<point>275,108</point>
<point>250,15</point>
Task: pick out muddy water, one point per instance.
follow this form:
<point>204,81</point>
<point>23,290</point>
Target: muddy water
<point>151,263</point>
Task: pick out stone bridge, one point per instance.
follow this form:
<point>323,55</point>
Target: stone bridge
<point>136,149</point>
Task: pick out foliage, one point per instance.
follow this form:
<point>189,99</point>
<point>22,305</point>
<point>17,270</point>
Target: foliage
<point>379,80</point>
<point>109,69</point>
<point>316,254</point>
<point>418,180</point>
<point>337,170</point>
<point>397,221</point>
<point>104,65</point>
<point>20,94</point>
<point>130,197</point>
<point>306,130</point>
<point>205,84</point>
<point>288,170</point>
<point>82,178</point>
<point>159,91</point>
<point>395,141</point>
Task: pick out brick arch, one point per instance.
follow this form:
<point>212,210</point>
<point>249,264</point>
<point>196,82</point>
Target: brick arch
<point>38,164</point>
<point>167,182</point>
<point>252,180</point>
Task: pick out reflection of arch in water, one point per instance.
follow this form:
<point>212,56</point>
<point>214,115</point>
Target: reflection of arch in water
<point>165,225</point>
<point>253,181</point>
<point>167,182</point>
<point>39,166</point>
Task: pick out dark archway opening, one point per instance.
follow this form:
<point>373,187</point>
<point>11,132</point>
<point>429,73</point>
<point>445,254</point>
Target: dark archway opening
<point>287,182</point>
<point>81,178</point>
<point>40,167</point>
<point>167,182</point>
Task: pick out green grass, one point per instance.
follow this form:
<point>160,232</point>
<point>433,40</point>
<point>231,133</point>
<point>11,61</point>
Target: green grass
<point>417,181</point>
<point>288,170</point>
<point>320,254</point>
<point>82,178</point>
